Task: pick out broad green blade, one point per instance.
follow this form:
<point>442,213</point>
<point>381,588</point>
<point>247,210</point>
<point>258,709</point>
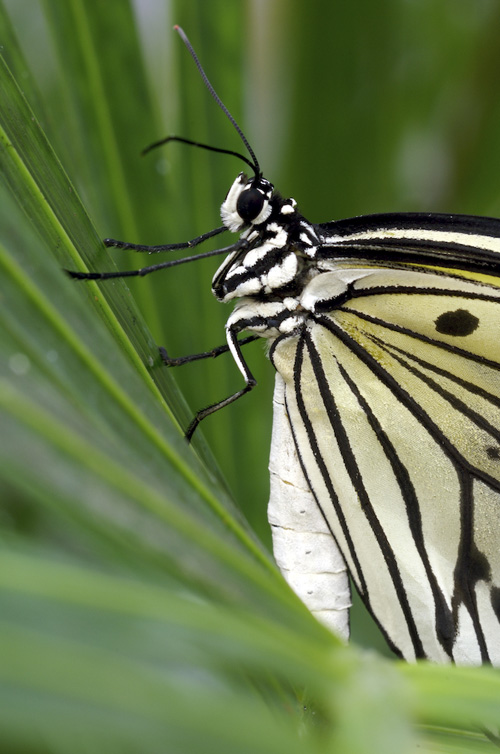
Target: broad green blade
<point>120,660</point>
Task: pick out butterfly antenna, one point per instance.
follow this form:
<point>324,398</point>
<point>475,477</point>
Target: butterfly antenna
<point>182,34</point>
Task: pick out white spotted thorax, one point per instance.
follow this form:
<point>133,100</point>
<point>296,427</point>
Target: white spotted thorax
<point>273,259</point>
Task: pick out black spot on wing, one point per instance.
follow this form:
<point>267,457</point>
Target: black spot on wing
<point>493,452</point>
<point>459,323</point>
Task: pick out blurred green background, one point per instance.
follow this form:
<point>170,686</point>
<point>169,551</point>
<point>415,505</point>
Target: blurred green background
<point>351,108</point>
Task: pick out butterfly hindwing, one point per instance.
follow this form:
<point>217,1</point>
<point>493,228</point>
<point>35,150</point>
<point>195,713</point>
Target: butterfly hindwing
<point>394,400</point>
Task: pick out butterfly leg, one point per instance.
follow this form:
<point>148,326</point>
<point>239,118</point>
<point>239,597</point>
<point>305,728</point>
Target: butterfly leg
<point>113,243</point>
<point>238,246</point>
<point>234,346</point>
<point>170,361</point>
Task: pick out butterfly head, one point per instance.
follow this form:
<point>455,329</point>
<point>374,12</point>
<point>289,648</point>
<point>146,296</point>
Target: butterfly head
<point>247,203</point>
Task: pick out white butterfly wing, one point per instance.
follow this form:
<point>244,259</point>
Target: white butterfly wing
<point>394,401</point>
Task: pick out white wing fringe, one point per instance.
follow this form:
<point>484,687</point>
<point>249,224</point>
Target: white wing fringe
<point>304,549</point>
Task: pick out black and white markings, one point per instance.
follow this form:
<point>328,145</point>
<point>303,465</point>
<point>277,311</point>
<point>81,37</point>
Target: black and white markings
<point>388,379</point>
<point>393,450</point>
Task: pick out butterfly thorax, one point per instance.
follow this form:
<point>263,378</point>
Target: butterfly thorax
<point>276,255</point>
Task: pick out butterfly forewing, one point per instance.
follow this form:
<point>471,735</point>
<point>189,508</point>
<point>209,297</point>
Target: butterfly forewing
<point>462,241</point>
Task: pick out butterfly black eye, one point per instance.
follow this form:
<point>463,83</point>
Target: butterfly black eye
<point>249,204</point>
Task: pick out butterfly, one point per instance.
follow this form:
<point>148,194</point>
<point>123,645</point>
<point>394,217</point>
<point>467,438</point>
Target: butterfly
<point>385,456</point>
